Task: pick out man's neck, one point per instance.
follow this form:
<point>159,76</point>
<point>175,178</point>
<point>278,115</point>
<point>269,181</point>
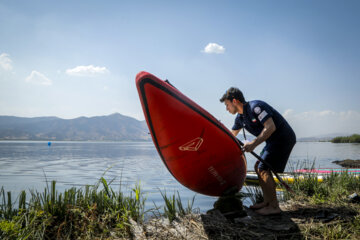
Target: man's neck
<point>241,108</point>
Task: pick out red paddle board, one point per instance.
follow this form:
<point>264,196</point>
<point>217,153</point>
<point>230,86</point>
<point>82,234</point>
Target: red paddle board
<point>198,150</point>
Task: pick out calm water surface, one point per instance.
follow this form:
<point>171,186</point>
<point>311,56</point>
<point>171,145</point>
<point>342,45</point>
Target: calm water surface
<point>24,165</point>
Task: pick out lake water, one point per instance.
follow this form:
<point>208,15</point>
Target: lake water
<point>24,165</point>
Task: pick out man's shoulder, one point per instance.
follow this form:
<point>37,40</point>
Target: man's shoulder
<point>257,103</point>
<point>238,116</point>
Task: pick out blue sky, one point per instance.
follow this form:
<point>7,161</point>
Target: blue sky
<point>80,58</point>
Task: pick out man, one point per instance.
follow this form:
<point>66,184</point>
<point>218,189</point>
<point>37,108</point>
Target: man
<point>264,122</point>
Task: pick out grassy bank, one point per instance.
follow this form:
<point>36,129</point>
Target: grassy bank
<point>74,214</point>
<point>317,210</point>
<point>335,188</point>
<point>332,213</point>
<point>92,212</point>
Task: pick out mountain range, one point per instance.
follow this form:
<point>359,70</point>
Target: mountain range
<point>114,127</point>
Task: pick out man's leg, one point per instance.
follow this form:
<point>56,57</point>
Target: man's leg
<point>262,184</point>
<point>268,186</point>
<point>276,156</point>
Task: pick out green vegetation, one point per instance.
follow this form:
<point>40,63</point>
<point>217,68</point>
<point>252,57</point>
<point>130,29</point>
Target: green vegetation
<point>173,207</point>
<point>98,212</point>
<point>355,138</point>
<point>335,188</point>
<point>74,214</point>
<point>93,212</point>
<point>324,209</point>
<point>331,194</point>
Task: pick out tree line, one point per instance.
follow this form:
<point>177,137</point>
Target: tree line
<point>355,138</point>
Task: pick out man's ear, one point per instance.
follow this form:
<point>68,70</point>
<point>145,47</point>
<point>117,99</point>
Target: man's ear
<point>233,101</point>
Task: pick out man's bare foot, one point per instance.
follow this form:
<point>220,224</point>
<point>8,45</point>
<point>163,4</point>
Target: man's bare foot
<point>259,205</point>
<point>269,210</point>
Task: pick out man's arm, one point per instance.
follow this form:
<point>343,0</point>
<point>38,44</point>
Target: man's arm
<point>269,128</point>
<point>235,132</point>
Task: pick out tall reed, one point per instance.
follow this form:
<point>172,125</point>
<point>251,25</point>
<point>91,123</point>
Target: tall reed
<point>76,213</point>
<point>174,208</point>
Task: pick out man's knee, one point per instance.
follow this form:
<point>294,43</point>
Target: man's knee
<point>264,173</point>
<point>256,167</point>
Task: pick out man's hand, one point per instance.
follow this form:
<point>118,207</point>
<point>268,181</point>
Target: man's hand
<point>269,128</point>
<point>249,146</point>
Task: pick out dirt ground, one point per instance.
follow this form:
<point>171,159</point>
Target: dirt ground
<point>294,218</point>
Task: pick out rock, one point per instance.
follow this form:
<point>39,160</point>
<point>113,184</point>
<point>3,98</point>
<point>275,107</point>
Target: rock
<point>276,223</point>
<point>215,214</point>
<point>274,226</point>
<point>325,216</point>
<point>348,163</point>
<point>235,214</point>
<point>229,203</point>
<point>136,230</point>
<point>231,191</point>
<point>354,198</point>
<point>185,227</point>
<point>230,206</point>
<point>245,220</point>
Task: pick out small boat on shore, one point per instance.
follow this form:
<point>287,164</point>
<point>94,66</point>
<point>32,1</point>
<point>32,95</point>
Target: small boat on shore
<point>329,170</point>
<point>252,177</point>
<point>301,174</point>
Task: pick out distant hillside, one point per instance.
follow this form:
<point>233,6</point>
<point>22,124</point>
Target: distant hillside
<point>314,139</point>
<point>115,127</point>
<point>320,138</point>
<point>355,138</point>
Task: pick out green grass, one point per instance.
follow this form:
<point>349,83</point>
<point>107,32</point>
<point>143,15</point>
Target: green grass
<point>174,208</point>
<point>98,212</point>
<point>331,194</point>
<point>76,213</point>
<point>335,188</point>
<point>86,213</point>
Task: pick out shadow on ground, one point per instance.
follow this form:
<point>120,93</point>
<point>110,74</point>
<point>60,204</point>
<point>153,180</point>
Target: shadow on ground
<point>295,220</point>
<point>287,225</point>
<point>252,226</point>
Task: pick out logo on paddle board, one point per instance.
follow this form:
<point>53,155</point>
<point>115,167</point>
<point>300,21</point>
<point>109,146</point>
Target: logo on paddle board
<point>213,172</point>
<point>192,145</point>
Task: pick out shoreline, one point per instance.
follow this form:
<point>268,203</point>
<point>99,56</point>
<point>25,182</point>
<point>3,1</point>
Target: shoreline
<point>316,211</point>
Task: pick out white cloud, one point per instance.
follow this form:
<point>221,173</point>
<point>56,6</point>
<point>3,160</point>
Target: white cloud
<point>38,78</point>
<point>313,123</point>
<point>214,48</point>
<point>86,71</point>
<point>288,113</point>
<point>326,113</point>
<point>5,62</point>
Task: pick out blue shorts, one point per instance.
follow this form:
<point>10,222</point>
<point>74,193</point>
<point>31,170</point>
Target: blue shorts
<point>276,155</point>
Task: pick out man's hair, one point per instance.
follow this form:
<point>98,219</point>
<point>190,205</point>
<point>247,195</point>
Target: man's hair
<point>233,93</point>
